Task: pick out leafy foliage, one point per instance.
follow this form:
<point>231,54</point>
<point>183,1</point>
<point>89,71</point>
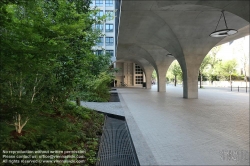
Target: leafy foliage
<point>174,72</point>
<point>77,128</point>
<point>227,68</point>
<point>46,58</point>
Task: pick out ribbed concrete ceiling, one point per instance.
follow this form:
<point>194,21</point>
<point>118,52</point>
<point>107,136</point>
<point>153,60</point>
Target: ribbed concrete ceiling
<point>151,29</point>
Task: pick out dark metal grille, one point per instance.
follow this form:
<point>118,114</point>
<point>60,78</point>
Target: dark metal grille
<point>116,148</point>
<point>114,97</point>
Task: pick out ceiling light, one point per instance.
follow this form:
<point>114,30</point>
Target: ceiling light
<point>170,55</point>
<point>223,32</point>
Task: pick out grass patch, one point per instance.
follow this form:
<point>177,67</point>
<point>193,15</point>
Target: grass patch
<point>71,128</point>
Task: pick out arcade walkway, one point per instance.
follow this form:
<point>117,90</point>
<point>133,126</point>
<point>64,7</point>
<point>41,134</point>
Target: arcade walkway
<point>169,130</point>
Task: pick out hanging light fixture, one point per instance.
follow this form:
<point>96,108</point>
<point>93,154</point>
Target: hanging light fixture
<point>223,32</point>
<point>170,55</point>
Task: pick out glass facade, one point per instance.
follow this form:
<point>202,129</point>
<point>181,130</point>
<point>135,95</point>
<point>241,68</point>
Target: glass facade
<point>108,28</point>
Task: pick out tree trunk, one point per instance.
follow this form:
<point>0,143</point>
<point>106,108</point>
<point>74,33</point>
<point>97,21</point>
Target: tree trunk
<point>78,103</point>
<point>230,80</point>
<point>200,78</point>
<point>245,78</point>
<point>175,80</point>
<point>18,124</point>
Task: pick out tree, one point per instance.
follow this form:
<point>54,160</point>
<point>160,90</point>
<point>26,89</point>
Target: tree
<point>228,68</point>
<point>45,53</point>
<point>214,61</point>
<point>243,52</point>
<point>206,61</point>
<point>154,75</point>
<point>174,71</point>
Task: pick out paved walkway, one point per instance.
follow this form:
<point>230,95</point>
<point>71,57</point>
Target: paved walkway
<point>169,130</point>
<point>105,107</point>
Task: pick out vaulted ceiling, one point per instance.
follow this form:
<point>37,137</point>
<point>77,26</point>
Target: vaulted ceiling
<point>151,29</point>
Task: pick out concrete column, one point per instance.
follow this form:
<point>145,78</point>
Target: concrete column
<point>190,83</point>
<point>161,73</point>
<point>148,72</point>
<point>161,78</point>
<point>190,76</point>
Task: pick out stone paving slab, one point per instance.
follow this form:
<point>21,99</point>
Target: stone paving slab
<point>144,154</point>
<point>211,130</point>
<point>105,107</point>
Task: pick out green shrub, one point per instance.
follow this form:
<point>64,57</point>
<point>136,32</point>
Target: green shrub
<point>78,128</point>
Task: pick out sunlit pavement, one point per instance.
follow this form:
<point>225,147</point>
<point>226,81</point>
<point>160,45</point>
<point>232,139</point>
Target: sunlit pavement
<point>170,130</point>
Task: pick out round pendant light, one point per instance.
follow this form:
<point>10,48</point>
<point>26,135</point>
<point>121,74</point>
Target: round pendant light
<point>223,32</point>
<point>170,55</point>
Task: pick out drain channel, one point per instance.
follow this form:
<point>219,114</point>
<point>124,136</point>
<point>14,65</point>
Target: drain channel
<point>116,148</point>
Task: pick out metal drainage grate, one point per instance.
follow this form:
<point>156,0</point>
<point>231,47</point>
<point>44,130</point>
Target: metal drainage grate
<point>116,148</point>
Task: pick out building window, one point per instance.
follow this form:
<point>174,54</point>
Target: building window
<point>109,28</point>
<point>99,41</point>
<point>109,41</point>
<point>99,27</point>
<point>138,79</point>
<point>110,52</point>
<point>99,52</point>
<point>99,14</point>
<point>109,2</point>
<point>110,15</point>
<point>138,69</point>
<point>99,2</point>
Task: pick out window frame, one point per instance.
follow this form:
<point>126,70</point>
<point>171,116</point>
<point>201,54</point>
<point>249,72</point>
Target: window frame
<point>109,3</point>
<point>109,39</point>
<point>110,15</point>
<point>100,27</point>
<point>100,43</point>
<point>109,25</point>
<point>98,2</point>
<point>99,14</point>
<point>108,52</point>
<point>99,52</point>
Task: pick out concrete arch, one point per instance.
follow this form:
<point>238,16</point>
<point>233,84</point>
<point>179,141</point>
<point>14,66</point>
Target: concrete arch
<point>182,28</point>
<point>240,9</point>
<point>146,67</point>
<point>134,52</point>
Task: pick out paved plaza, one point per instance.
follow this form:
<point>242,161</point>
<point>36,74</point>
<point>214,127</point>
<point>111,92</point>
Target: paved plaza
<point>169,130</point>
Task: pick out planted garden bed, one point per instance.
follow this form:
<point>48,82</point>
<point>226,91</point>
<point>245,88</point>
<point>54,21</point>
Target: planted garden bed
<point>71,129</point>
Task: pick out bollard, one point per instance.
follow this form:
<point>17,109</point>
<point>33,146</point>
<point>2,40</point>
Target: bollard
<point>246,89</point>
<point>231,87</point>
<point>238,88</point>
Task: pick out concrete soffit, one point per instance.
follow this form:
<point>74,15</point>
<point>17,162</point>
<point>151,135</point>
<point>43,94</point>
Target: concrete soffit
<point>151,29</point>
